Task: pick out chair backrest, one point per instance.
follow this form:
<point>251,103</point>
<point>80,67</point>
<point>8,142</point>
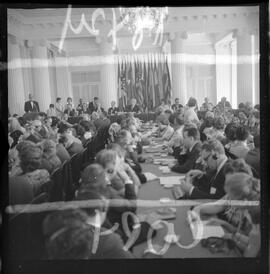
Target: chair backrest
<point>76,163</point>
<point>69,189</point>
<point>56,189</point>
<point>41,198</point>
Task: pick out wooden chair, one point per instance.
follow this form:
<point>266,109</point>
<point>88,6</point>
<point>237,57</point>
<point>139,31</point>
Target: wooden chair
<point>56,189</point>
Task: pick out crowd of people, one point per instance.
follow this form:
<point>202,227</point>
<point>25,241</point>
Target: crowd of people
<point>219,153</point>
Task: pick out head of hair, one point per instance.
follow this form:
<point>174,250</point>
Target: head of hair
<point>93,177</point>
<point>192,132</point>
<point>87,125</point>
<point>24,144</point>
<point>63,140</point>
<point>215,146</point>
<point>30,158</point>
<point>243,186</point>
<point>22,121</point>
<point>106,156</point>
<point>241,106</point>
<point>58,99</point>
<point>122,136</point>
<point>163,119</point>
<point>13,124</point>
<point>51,105</point>
<point>192,102</point>
<point>55,121</point>
<point>237,165</point>
<point>117,148</point>
<point>95,98</point>
<point>241,133</point>
<point>167,111</point>
<point>209,122</point>
<point>49,147</point>
<point>179,120</point>
<point>63,128</point>
<point>230,131</point>
<point>257,107</point>
<point>85,193</point>
<point>67,235</point>
<point>219,123</point>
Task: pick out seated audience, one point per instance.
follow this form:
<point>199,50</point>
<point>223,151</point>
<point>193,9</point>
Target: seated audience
<point>239,146</point>
<point>165,131</point>
<point>209,184</point>
<point>190,116</point>
<point>253,156</point>
<point>59,108</point>
<point>113,109</point>
<point>51,111</point>
<point>206,106</point>
<point>50,160</point>
<point>191,142</point>
<point>176,106</point>
<point>24,187</point>
<point>70,234</point>
<point>133,107</point>
<point>71,146</point>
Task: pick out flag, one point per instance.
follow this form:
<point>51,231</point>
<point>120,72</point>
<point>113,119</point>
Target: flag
<point>151,90</point>
<point>144,86</point>
<point>166,82</point>
<point>160,72</point>
<point>138,78</point>
<point>128,81</point>
<point>122,95</point>
<point>156,86</point>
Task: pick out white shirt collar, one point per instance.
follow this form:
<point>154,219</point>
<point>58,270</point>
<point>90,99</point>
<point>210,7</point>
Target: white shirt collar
<point>193,146</point>
<point>221,165</point>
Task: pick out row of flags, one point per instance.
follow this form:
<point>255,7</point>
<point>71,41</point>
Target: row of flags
<point>146,80</point>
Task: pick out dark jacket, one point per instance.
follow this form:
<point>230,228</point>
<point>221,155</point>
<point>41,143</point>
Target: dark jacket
<point>136,108</point>
<point>203,186</point>
<point>92,108</point>
<point>187,161</point>
<point>28,107</point>
<point>74,148</point>
<point>112,111</point>
<point>62,153</point>
<point>253,159</point>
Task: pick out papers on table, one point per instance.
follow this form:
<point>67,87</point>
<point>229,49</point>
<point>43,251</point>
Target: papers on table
<point>150,176</point>
<point>202,230</point>
<point>172,180</point>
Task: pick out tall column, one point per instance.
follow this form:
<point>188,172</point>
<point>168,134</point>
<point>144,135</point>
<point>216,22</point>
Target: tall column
<point>16,96</point>
<point>108,91</point>
<point>179,75</point>
<point>26,70</point>
<point>64,86</point>
<point>244,68</point>
<point>40,63</point>
<point>223,70</point>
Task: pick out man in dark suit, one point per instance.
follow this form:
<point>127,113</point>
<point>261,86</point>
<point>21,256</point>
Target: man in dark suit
<point>133,107</point>
<point>177,105</point>
<point>31,105</point>
<point>209,184</point>
<point>113,109</point>
<point>94,106</point>
<point>191,140</point>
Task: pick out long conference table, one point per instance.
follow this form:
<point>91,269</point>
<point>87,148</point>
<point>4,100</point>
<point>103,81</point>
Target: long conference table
<point>154,191</point>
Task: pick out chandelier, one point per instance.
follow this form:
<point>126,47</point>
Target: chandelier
<point>143,17</point>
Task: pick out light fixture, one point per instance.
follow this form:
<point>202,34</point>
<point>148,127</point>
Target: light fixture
<point>149,18</point>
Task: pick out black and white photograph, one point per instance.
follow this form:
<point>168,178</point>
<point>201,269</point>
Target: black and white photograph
<point>134,133</point>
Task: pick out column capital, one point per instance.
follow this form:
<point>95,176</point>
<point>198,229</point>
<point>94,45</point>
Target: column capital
<point>39,43</point>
